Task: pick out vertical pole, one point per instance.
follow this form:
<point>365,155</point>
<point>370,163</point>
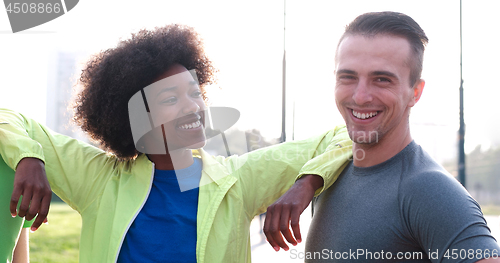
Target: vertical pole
<point>461,132</point>
<point>283,98</point>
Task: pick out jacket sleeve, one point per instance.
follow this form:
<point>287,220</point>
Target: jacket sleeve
<point>331,161</point>
<point>74,168</point>
<point>268,173</point>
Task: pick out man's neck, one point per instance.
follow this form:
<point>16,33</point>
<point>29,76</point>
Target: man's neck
<point>366,155</point>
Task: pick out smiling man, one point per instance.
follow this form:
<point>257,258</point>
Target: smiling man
<point>393,202</point>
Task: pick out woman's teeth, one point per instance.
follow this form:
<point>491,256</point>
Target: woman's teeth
<point>191,126</point>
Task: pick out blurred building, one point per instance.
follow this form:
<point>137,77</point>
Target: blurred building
<point>64,70</point>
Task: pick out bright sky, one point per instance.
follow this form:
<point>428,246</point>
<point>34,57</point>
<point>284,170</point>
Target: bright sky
<point>245,40</point>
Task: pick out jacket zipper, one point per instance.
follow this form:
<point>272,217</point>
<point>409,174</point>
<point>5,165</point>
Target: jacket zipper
<point>137,213</point>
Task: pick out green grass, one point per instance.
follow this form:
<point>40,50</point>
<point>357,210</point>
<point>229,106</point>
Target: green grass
<point>59,240</point>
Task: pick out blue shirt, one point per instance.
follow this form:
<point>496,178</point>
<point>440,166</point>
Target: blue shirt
<point>165,228</point>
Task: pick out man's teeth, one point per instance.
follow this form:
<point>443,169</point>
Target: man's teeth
<point>364,115</point>
<point>191,126</point>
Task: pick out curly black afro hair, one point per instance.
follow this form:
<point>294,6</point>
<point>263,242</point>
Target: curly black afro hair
<point>111,77</point>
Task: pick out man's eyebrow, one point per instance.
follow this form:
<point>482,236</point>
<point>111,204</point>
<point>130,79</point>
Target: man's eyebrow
<point>346,71</point>
<point>383,73</point>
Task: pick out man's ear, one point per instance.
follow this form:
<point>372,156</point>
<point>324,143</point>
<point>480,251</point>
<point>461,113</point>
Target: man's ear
<point>417,89</point>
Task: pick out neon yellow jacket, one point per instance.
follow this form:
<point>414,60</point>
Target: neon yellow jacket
<point>109,193</point>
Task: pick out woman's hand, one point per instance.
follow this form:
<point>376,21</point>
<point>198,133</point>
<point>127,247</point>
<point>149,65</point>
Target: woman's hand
<point>31,182</point>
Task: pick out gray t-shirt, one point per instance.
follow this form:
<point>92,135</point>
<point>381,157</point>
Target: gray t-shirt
<point>407,209</point>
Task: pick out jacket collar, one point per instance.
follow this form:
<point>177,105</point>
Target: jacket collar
<point>213,170</point>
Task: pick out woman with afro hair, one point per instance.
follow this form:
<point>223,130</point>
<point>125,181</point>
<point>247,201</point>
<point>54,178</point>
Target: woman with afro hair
<point>152,194</point>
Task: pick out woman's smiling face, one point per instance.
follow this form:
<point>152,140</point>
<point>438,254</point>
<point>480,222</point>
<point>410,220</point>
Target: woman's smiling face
<point>176,109</point>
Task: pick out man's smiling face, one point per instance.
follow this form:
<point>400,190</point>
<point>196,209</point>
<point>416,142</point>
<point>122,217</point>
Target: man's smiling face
<point>373,91</point>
